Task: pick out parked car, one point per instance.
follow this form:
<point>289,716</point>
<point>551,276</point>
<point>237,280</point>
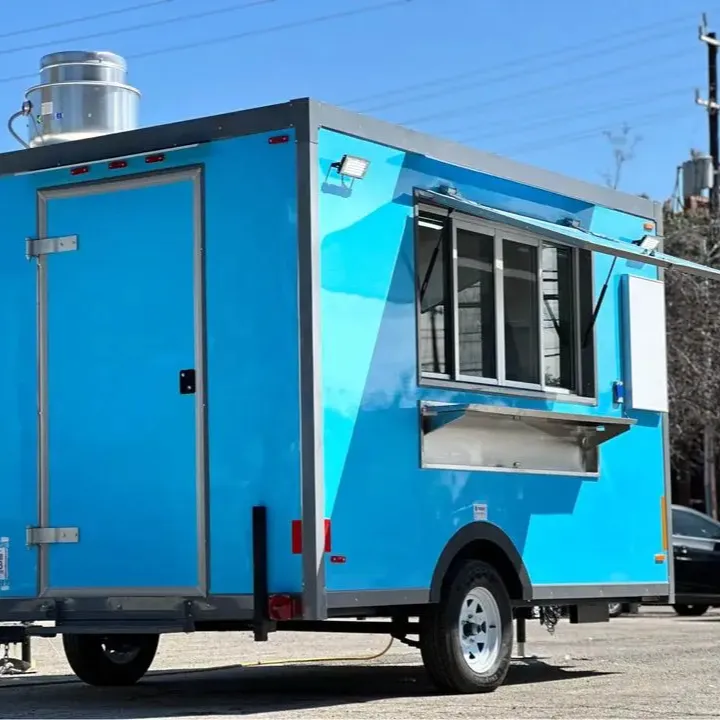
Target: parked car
<point>696,552</point>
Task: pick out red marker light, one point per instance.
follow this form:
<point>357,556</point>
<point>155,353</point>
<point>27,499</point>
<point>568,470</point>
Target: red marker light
<point>154,158</point>
<point>278,139</point>
<point>284,607</point>
<point>328,536</point>
<point>117,164</point>
<point>80,170</point>
<point>296,536</point>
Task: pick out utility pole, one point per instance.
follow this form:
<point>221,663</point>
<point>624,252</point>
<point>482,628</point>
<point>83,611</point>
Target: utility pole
<point>710,39</point>
<point>709,475</point>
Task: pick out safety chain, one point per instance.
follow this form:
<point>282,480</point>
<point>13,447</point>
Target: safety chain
<point>550,616</point>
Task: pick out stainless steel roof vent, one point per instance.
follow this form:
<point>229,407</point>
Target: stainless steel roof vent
<point>80,95</point>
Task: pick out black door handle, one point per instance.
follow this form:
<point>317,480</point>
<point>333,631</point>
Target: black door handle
<point>187,382</point>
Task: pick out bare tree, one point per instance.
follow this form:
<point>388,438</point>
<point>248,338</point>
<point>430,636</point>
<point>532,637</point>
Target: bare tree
<point>623,144</point>
<point>693,326</point>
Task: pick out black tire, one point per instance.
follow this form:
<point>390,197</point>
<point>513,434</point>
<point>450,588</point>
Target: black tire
<point>440,641</point>
<point>110,660</point>
<point>690,610</point>
<point>615,609</point>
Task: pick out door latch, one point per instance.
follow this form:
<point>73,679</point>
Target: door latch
<point>187,382</point>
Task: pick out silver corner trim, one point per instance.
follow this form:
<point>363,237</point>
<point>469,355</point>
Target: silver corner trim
<point>599,591</point>
<point>201,397</point>
<point>52,535</point>
<point>123,598</point>
<point>346,599</point>
<point>659,218</point>
<point>34,247</point>
<point>667,469</point>
<point>43,491</point>
<point>312,491</point>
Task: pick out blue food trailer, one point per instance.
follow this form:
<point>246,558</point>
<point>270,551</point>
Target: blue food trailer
<point>292,364</point>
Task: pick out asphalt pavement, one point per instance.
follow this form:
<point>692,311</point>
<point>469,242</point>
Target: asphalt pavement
<point>653,665</point>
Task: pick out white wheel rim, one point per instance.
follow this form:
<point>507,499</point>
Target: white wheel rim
<point>480,630</point>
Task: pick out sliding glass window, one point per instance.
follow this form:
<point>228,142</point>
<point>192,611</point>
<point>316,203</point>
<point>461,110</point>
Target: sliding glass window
<point>502,307</point>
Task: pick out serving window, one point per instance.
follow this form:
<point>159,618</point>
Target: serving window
<point>499,306</point>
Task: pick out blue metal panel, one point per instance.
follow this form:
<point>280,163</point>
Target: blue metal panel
<point>252,362</point>
<point>121,437</point>
<point>253,365</point>
<point>18,414</point>
<point>494,191</point>
<point>391,519</point>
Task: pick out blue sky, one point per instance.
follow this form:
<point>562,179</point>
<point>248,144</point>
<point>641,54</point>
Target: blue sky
<point>537,81</point>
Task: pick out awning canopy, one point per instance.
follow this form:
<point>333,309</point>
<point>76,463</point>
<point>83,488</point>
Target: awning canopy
<point>568,235</point>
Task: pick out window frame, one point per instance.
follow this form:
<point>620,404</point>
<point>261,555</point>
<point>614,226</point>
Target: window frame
<point>474,227</point>
<point>501,232</point>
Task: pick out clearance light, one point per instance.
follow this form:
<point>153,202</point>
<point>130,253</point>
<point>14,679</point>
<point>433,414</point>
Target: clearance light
<point>83,170</point>
<point>117,164</point>
<point>160,157</point>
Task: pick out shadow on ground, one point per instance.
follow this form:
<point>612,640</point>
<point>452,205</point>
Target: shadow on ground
<point>239,691</point>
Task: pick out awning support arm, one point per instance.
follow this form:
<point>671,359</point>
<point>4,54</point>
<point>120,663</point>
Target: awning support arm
<point>599,303</point>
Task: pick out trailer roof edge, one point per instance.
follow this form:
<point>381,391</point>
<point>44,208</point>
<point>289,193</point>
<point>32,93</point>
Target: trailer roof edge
<point>197,131</point>
<point>358,125</point>
<point>286,115</point>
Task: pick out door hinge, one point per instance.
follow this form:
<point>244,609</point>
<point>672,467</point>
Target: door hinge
<point>34,247</point>
<point>52,535</point>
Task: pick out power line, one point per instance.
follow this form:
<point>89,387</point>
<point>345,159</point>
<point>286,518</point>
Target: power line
<point>559,140</point>
<point>525,71</point>
<point>235,7</point>
<point>250,33</point>
<point>274,28</point>
<point>635,34</point>
<point>84,18</point>
<point>650,60</point>
<point>503,122</point>
<point>587,112</point>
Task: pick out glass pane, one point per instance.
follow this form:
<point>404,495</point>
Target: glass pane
<point>476,304</point>
<point>692,525</point>
<point>430,258</point>
<point>522,317</point>
<point>558,317</point>
<point>586,307</point>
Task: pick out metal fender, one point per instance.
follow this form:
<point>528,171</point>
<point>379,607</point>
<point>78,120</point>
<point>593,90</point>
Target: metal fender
<point>494,546</point>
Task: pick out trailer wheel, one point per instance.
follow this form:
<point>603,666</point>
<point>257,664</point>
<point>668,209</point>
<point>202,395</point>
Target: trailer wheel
<point>110,660</point>
<point>466,639</point>
<point>690,610</point>
<point>615,609</point>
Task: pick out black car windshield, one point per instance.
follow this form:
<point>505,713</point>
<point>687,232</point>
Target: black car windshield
<point>691,524</point>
